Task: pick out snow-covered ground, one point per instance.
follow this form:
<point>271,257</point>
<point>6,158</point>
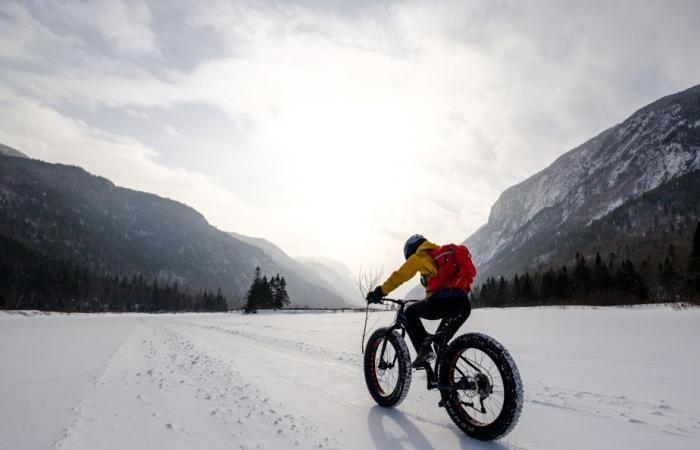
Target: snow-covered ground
<point>607,378</point>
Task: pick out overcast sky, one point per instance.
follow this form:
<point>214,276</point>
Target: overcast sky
<point>332,128</point>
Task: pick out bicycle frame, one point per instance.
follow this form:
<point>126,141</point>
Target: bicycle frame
<point>400,323</point>
<point>478,384</point>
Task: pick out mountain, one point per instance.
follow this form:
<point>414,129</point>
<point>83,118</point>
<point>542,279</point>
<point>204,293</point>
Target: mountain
<point>9,151</point>
<point>593,197</point>
<point>337,275</point>
<point>416,292</point>
<point>289,265</point>
<point>67,213</point>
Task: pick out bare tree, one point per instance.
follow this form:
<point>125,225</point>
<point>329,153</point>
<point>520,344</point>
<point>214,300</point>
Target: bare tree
<point>367,281</point>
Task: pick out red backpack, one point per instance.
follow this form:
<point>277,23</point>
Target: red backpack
<point>455,269</point>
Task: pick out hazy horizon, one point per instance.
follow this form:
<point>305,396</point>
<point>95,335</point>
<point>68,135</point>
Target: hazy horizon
<point>332,129</point>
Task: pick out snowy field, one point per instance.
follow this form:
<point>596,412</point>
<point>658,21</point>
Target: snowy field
<point>608,378</point>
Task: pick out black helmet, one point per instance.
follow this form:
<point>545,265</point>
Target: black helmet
<point>412,245</point>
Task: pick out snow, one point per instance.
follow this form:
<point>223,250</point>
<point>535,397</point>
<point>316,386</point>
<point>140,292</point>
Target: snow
<point>594,378</point>
<point>621,163</point>
<point>608,209</point>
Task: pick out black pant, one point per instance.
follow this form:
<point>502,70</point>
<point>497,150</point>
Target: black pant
<point>450,305</point>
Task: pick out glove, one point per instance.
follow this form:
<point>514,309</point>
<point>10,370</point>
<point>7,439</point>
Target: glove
<point>376,295</point>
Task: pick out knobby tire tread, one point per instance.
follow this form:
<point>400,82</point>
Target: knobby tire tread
<point>512,384</point>
<point>404,360</point>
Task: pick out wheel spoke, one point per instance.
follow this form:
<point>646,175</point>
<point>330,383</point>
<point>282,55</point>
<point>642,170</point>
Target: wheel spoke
<point>387,367</point>
<point>470,364</point>
<point>478,366</point>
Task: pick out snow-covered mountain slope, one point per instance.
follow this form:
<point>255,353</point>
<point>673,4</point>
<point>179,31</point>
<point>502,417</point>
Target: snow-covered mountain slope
<point>416,292</point>
<point>336,274</point>
<point>67,213</point>
<point>290,265</point>
<point>656,144</point>
<point>604,378</point>
<point>9,151</point>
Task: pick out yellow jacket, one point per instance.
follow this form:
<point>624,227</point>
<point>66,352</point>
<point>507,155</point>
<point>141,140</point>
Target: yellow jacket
<point>420,261</point>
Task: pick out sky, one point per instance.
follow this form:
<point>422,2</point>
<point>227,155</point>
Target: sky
<point>332,128</point>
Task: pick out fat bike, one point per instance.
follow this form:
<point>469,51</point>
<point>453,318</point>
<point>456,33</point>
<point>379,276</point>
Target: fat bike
<point>478,380</point>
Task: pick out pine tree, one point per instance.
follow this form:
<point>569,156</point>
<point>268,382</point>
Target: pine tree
<point>266,298</point>
<point>492,291</point>
<point>547,289</point>
<point>219,302</point>
<point>667,274</point>
<point>527,290</point>
<point>517,286</point>
<point>601,274</point>
<point>628,280</point>
<point>582,276</point>
<point>281,296</point>
<point>474,297</point>
<point>693,274</point>
<point>562,283</point>
<point>502,292</point>
<point>278,286</point>
<point>253,298</point>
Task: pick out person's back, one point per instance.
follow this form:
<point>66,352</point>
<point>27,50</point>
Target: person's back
<point>447,303</point>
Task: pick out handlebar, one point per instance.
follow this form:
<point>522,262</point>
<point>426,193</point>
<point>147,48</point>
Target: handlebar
<point>399,301</point>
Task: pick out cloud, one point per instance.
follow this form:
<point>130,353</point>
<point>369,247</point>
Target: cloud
<point>370,121</point>
<point>124,24</point>
<point>53,137</point>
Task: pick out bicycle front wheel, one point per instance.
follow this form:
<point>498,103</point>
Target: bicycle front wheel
<point>387,367</point>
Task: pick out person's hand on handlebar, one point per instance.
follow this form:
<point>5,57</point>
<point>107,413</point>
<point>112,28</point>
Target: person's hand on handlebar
<point>376,295</point>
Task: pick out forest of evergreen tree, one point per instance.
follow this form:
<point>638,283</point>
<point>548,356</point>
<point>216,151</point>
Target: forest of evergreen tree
<point>29,280</point>
<point>599,280</point>
<point>266,294</point>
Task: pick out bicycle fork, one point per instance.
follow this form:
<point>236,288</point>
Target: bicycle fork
<point>383,364</point>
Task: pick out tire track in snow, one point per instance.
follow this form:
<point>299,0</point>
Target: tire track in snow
<point>299,380</point>
<point>288,343</point>
<point>282,374</point>
<point>78,408</point>
<point>251,396</point>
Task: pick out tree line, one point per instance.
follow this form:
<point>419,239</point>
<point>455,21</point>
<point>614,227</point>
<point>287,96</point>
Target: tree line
<point>266,294</point>
<point>30,280</point>
<point>599,281</point>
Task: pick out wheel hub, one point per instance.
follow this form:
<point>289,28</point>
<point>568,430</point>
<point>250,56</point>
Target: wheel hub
<point>383,365</point>
<point>483,385</point>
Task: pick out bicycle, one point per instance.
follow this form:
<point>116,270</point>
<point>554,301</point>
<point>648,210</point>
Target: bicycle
<point>478,380</point>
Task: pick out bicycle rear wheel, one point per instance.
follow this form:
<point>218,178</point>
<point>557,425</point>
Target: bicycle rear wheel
<point>487,395</point>
<point>387,367</point>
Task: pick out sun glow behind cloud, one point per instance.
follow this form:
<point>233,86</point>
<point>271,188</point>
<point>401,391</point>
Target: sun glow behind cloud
<point>332,131</point>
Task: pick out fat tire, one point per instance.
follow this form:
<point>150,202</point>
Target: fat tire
<point>512,386</point>
<point>403,382</point>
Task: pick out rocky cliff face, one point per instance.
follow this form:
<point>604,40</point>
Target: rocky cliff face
<point>657,144</point>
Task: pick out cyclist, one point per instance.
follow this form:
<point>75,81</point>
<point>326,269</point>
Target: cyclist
<point>450,305</point>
